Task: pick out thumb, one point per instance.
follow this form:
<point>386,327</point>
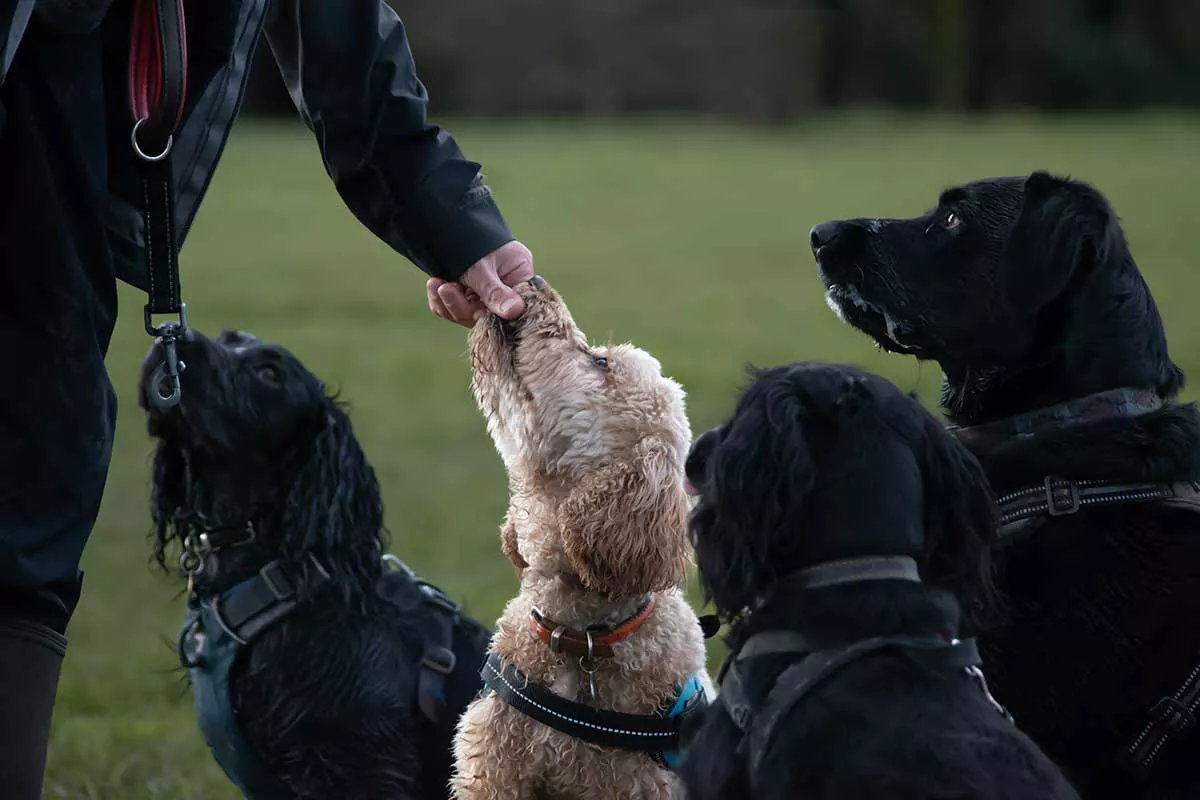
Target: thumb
<point>499,299</point>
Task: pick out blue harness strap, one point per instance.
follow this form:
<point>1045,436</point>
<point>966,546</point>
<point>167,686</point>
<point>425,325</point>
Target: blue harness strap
<point>214,635</point>
<point>212,653</point>
<point>218,630</point>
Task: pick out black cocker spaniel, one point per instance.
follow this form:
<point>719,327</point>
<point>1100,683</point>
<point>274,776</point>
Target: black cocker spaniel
<point>843,533</point>
<point>318,671</point>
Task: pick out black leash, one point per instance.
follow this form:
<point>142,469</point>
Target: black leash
<point>157,89</point>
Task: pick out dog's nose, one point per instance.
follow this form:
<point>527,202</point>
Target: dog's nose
<point>825,234</point>
<point>537,282</point>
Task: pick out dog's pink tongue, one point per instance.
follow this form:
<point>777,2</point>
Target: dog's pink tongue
<point>689,489</point>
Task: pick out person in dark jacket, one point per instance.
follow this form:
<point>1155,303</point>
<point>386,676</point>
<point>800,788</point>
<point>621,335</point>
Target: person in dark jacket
<point>71,227</point>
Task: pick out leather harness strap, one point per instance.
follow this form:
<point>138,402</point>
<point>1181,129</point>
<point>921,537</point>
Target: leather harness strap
<point>1057,497</point>
<point>816,665</point>
<point>590,643</point>
<point>817,662</point>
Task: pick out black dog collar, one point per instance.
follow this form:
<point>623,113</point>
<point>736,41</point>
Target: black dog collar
<point>1115,403</point>
<point>847,570</point>
<point>854,570</point>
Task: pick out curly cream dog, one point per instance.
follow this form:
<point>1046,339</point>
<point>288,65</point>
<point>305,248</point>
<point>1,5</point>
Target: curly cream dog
<point>593,440</point>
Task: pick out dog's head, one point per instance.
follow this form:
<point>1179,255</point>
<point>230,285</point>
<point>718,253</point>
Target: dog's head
<point>822,462</point>
<point>256,438</point>
<point>594,437</point>
<point>1003,276</point>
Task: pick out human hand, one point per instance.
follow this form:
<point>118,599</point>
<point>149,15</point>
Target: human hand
<point>485,286</point>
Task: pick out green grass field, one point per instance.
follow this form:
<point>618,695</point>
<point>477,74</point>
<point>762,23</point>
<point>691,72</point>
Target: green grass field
<point>690,241</point>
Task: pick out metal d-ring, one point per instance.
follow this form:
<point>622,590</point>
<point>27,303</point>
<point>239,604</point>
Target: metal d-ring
<point>137,148</point>
<point>588,665</point>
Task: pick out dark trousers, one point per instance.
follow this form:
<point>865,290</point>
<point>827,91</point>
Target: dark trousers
<point>58,305</point>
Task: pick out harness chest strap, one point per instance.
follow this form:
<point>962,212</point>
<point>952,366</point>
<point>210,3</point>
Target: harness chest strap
<point>1058,497</point>
<point>799,679</point>
<point>218,630</point>
<point>650,733</point>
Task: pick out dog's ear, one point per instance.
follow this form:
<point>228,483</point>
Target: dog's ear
<point>1068,243</point>
<point>623,528</point>
<point>1065,230</point>
<point>335,509</point>
<point>960,522</point>
<point>750,517</point>
<point>168,494</point>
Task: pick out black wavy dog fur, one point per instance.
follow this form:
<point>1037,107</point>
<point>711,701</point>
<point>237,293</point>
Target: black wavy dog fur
<point>1025,292</point>
<point>327,697</point>
<point>821,463</point>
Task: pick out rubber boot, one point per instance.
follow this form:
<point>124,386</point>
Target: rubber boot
<point>30,662</point>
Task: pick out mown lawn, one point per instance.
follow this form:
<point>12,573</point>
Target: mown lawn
<point>689,240</point>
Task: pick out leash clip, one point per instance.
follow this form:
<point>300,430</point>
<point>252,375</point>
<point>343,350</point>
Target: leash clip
<point>167,372</point>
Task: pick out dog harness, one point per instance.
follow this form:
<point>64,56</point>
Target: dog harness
<point>1055,496</point>
<point>216,632</point>
<point>655,734</point>
<point>1173,714</point>
<point>759,722</point>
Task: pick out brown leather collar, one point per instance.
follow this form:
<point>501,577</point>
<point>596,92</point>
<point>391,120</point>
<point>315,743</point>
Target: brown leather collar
<point>562,639</point>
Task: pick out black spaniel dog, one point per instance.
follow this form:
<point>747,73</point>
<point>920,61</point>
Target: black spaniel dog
<point>318,671</point>
<point>843,533</point>
<point>1057,377</point>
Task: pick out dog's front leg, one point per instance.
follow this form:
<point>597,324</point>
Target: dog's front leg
<point>489,756</point>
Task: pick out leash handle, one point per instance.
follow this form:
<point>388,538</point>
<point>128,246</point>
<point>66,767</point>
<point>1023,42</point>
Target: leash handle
<point>157,91</point>
<point>157,76</point>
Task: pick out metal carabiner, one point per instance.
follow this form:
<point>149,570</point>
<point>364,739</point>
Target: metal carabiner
<point>167,373</point>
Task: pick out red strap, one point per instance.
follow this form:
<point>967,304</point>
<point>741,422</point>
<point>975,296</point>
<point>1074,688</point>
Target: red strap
<point>157,66</point>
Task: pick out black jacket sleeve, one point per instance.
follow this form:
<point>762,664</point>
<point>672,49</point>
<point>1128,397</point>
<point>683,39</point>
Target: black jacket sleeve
<point>14,17</point>
<point>350,72</point>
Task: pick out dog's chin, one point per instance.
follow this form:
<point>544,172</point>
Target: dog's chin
<point>888,330</point>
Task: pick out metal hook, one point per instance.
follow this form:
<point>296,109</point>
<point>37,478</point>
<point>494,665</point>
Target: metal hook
<point>168,371</point>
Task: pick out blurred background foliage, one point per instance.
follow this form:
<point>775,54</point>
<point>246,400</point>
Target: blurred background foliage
<point>776,60</point>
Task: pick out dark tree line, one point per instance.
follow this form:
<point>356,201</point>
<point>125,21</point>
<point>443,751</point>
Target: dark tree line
<point>769,60</point>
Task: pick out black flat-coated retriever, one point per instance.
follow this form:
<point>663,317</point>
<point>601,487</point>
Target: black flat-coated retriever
<point>257,465</point>
<point>1057,377</point>
<point>834,512</point>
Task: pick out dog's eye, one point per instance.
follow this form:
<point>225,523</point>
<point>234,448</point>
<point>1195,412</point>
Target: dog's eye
<point>268,372</point>
<point>951,221</point>
<point>600,361</point>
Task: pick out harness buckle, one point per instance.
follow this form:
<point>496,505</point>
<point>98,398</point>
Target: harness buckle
<point>437,598</point>
<point>280,585</point>
<point>1174,713</point>
<point>1056,504</point>
<point>440,660</point>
